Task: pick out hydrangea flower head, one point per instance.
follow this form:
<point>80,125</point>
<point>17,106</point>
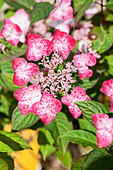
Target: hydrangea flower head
<point>62,43</point>
<point>77,94</point>
<point>27,96</point>
<point>62,11</point>
<point>47,107</point>
<point>36,47</point>
<point>107,88</point>
<point>11,32</point>
<point>104,126</point>
<point>21,18</point>
<point>82,61</point>
<point>23,71</point>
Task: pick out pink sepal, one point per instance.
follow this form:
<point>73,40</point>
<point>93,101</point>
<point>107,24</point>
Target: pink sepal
<point>77,94</point>
<point>36,47</point>
<point>47,108</point>
<point>11,32</point>
<point>23,71</point>
<point>62,43</point>
<point>104,138</point>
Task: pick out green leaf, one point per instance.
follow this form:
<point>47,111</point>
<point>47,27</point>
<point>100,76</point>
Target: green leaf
<point>109,5</point>
<point>47,150</point>
<point>109,59</point>
<point>4,108</point>
<point>98,32</point>
<point>41,11</point>
<point>44,137</point>
<point>25,4</point>
<point>106,44</point>
<point>6,81</point>
<point>3,165</point>
<point>6,67</point>
<point>6,162</point>
<point>66,159</point>
<point>81,137</point>
<point>98,159</point>
<point>88,84</point>
<point>58,127</point>
<point>83,8</point>
<point>110,70</point>
<point>5,148</point>
<point>6,76</point>
<point>13,52</point>
<point>1,3</point>
<point>91,107</point>
<point>14,141</point>
<point>96,45</point>
<point>109,17</point>
<point>110,29</point>
<point>85,125</point>
<point>111,149</point>
<point>46,142</point>
<point>9,14</point>
<point>78,163</point>
<point>1,25</point>
<point>78,4</point>
<point>20,121</point>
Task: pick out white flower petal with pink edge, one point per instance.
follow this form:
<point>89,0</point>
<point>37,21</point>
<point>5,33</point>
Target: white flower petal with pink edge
<point>62,11</point>
<point>18,64</point>
<point>111,129</point>
<point>104,138</point>
<point>23,71</point>
<point>111,99</point>
<point>75,111</point>
<point>45,114</point>
<point>77,94</point>
<point>47,108</point>
<point>27,93</point>
<point>84,72</point>
<point>62,43</point>
<point>63,27</point>
<point>107,87</point>
<point>25,107</point>
<point>67,100</point>
<point>31,69</point>
<point>82,61</point>
<point>68,13</point>
<point>87,59</point>
<point>100,120</point>
<point>21,18</point>
<point>56,14</point>
<point>11,32</point>
<point>27,96</point>
<point>36,47</point>
<point>20,78</point>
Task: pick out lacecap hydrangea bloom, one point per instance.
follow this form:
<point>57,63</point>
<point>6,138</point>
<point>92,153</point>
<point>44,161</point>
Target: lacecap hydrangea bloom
<point>54,78</point>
